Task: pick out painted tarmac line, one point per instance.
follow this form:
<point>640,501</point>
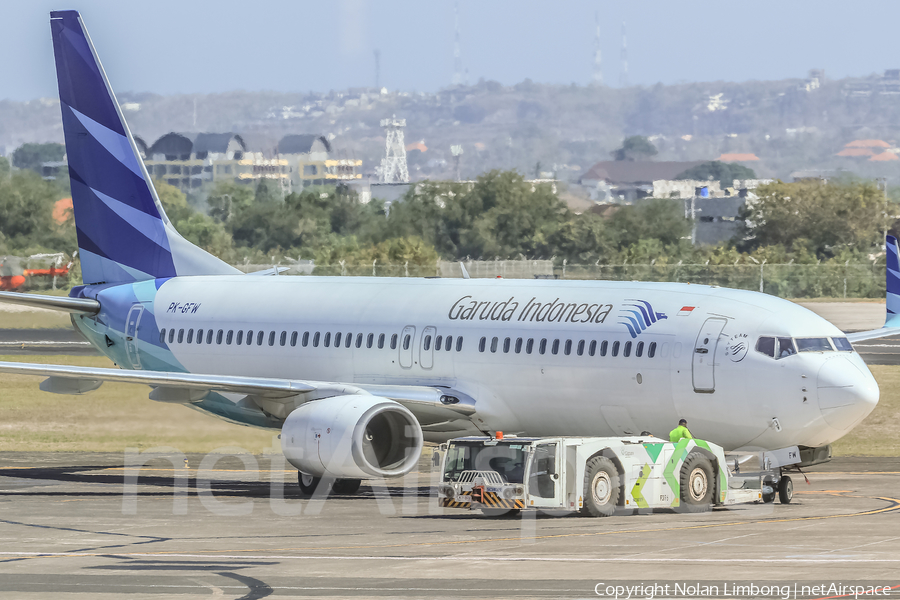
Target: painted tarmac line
<point>467,558</point>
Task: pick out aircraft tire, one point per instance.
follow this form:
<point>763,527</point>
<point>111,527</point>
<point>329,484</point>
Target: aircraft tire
<point>346,486</point>
<point>770,497</point>
<point>697,483</point>
<point>308,483</point>
<point>601,487</point>
<point>785,490</point>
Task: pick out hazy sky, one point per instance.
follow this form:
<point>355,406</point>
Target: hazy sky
<point>199,46</point>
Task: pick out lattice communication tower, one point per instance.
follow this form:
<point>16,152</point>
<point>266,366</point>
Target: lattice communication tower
<point>393,165</point>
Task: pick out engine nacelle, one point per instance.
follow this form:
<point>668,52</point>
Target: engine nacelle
<point>352,437</point>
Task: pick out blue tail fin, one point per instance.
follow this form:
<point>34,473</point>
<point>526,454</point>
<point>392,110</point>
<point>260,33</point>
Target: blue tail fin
<point>893,282</point>
<point>123,232</point>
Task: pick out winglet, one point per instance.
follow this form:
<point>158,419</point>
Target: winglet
<point>893,282</point>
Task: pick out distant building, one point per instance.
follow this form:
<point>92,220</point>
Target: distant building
<point>311,161</point>
<point>623,182</point>
<point>736,158</point>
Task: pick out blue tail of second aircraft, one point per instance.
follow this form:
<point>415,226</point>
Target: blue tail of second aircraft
<point>123,232</point>
<point>893,282</point>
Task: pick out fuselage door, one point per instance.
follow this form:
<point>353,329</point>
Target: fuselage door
<point>407,337</point>
<point>426,354</point>
<point>544,481</point>
<point>132,323</point>
<point>704,361</point>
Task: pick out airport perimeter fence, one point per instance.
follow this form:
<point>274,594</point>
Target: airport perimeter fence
<point>828,280</point>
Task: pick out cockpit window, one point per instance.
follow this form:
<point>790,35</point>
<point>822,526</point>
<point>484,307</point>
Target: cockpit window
<point>786,347</point>
<point>766,345</point>
<point>813,345</point>
<point>842,344</point>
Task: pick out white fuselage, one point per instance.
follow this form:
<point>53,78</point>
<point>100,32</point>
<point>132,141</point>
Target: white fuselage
<point>705,365</point>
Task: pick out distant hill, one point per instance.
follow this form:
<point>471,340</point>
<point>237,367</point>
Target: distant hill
<point>549,129</point>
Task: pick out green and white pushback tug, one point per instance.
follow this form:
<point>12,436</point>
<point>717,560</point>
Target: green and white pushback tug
<point>592,475</point>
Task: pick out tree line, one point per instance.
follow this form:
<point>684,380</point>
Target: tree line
<point>499,215</point>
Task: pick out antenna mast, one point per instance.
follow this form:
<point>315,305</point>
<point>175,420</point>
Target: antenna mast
<point>457,55</point>
<point>598,71</point>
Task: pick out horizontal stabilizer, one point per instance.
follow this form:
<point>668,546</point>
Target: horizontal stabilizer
<point>83,306</point>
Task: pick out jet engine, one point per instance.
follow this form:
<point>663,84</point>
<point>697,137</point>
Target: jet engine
<point>352,437</point>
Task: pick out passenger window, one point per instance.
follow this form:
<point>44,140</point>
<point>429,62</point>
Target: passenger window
<point>219,335</point>
<point>271,338</point>
<point>293,338</point>
<point>209,335</point>
<point>283,340</point>
<point>766,345</point>
<point>249,337</point>
<point>459,342</point>
<point>394,342</point>
<point>180,335</point>
<point>438,342</point>
<point>651,350</point>
<point>305,340</point>
<point>316,340</point>
<point>406,340</point>
<point>337,340</point>
<point>615,349</point>
<point>518,345</point>
<point>529,345</point>
<point>481,344</point>
<point>259,337</point>
<point>494,342</point>
<point>841,344</point>
<point>580,350</point>
<point>627,351</point>
<point>229,337</point>
<point>426,345</point>
<point>381,341</point>
<point>172,336</point>
<point>448,345</point>
<point>190,337</point>
<point>786,347</point>
<point>327,341</point>
<point>240,337</point>
<point>639,350</point>
<point>506,343</point>
<point>348,340</point>
<point>162,336</point>
<point>370,339</point>
<point>555,347</point>
<point>568,347</point>
<point>200,336</point>
<point>604,345</point>
<point>592,349</point>
<point>542,347</point>
<point>359,339</point>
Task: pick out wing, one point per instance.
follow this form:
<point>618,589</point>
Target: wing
<point>434,407</point>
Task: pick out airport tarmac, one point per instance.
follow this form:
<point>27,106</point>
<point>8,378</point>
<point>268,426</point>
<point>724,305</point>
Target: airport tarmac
<point>70,524</point>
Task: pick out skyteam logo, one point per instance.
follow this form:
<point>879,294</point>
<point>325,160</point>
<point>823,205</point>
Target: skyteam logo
<point>638,315</point>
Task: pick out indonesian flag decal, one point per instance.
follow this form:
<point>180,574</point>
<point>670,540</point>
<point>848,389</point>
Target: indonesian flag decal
<point>685,311</point>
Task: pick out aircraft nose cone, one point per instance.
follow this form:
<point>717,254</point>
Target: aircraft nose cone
<point>847,393</point>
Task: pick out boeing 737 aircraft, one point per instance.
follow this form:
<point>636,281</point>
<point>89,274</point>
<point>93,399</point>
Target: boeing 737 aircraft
<point>356,373</point>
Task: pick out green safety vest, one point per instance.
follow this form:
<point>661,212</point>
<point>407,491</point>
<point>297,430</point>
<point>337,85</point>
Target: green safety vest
<point>679,432</point>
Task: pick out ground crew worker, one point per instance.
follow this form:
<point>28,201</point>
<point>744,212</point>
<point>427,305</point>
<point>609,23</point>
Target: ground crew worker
<point>680,432</point>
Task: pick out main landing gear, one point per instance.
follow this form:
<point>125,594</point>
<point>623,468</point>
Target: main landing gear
<point>780,485</point>
<point>309,484</point>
